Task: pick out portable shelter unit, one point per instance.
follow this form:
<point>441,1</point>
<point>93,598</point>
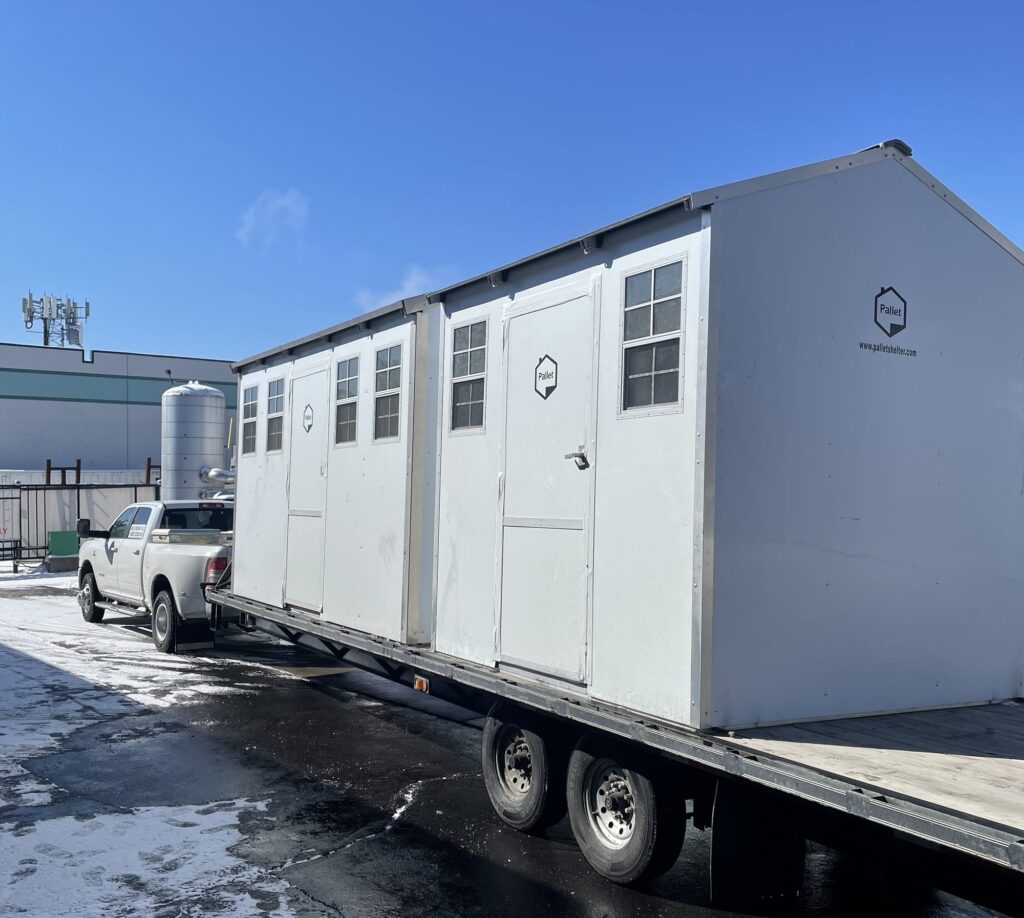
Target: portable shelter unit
<point>752,456</point>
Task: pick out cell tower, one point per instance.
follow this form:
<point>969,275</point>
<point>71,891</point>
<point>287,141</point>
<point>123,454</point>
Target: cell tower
<point>63,319</point>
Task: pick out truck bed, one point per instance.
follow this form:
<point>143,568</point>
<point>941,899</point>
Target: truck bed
<point>966,760</point>
<point>951,777</point>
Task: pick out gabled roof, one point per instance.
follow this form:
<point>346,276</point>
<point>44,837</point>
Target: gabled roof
<point>896,150</point>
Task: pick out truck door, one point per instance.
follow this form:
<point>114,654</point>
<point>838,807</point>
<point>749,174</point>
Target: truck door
<point>546,520</point>
<point>105,569</point>
<point>307,491</point>
<point>128,560</point>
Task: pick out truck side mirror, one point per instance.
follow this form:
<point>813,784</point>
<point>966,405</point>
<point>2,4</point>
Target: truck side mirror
<point>84,527</point>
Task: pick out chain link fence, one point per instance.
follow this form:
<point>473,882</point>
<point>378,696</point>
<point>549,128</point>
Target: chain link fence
<point>29,513</point>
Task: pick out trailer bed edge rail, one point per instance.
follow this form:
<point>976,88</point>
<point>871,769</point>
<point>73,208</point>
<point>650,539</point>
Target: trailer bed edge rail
<point>1002,845</point>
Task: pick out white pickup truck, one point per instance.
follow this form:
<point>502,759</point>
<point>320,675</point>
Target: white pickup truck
<point>157,557</point>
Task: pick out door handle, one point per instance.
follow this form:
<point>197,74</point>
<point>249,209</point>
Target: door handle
<point>581,459</point>
<point>135,552</point>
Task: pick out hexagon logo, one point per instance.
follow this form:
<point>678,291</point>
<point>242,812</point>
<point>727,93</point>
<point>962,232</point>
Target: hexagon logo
<point>307,418</point>
<point>545,377</point>
<point>890,311</point>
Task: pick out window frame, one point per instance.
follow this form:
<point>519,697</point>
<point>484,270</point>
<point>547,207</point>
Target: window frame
<point>675,407</point>
<point>275,414</point>
<point>128,526</point>
<point>254,420</point>
<point>378,394</point>
<point>481,428</point>
<point>144,524</point>
<point>350,400</point>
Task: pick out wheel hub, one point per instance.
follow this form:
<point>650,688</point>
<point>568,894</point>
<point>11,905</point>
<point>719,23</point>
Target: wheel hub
<point>160,621</point>
<point>514,762</point>
<point>610,803</point>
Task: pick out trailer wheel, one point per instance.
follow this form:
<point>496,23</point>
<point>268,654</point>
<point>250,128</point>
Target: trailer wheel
<point>629,821</point>
<point>524,770</point>
<point>87,599</point>
<point>164,622</point>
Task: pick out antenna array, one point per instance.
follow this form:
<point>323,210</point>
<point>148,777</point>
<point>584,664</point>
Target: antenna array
<point>63,320</point>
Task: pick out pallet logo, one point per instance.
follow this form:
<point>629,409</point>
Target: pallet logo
<point>546,376</point>
<point>890,311</point>
<point>307,418</point>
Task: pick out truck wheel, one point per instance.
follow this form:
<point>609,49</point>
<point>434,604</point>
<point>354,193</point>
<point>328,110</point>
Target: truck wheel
<point>628,822</point>
<point>165,622</point>
<point>87,600</point>
<point>524,770</point>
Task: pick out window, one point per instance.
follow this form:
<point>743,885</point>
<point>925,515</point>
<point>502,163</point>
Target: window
<point>469,365</point>
<point>213,517</point>
<point>651,335</point>
<point>250,397</point>
<point>119,528</point>
<point>138,527</point>
<point>275,414</point>
<point>387,404</point>
<point>345,409</point>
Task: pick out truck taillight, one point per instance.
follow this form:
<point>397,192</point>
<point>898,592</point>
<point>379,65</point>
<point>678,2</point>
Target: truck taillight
<point>214,568</point>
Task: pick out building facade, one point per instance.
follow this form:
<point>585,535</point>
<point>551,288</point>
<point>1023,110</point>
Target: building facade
<point>102,407</point>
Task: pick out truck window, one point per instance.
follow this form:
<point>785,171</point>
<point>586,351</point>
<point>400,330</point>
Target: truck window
<point>216,518</point>
<point>119,528</point>
<point>138,527</point>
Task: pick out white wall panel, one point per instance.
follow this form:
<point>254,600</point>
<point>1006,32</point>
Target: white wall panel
<point>869,523</point>
<point>367,500</point>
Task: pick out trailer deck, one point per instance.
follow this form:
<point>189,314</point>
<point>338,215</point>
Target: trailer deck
<point>951,777</point>
<point>967,760</point>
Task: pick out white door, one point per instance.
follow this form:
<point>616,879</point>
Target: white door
<point>307,491</point>
<point>128,564</point>
<point>548,479</point>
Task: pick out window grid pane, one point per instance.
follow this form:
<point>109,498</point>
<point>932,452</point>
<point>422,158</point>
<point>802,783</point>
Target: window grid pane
<point>469,350</point>
<point>275,397</point>
<point>469,365</point>
<point>345,423</point>
<point>651,374</point>
<point>386,414</point>
<point>249,402</point>
<point>652,308</point>
<point>275,432</point>
<point>249,437</point>
<point>348,379</point>
<point>389,369</point>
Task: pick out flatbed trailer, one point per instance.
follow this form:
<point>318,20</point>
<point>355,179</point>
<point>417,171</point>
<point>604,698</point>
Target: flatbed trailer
<point>645,494</point>
<point>950,778</point>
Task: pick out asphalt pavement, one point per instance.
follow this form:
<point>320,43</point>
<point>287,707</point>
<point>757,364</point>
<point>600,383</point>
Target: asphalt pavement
<point>258,779</point>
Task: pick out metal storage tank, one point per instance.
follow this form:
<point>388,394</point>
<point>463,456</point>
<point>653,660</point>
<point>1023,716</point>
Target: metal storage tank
<point>192,438</point>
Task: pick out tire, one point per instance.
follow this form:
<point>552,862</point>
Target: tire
<point>164,620</point>
<point>524,769</point>
<point>87,600</point>
<point>628,819</point>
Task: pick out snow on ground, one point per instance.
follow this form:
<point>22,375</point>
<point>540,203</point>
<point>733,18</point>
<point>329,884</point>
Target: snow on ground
<point>33,577</point>
<point>137,863</point>
<point>58,675</point>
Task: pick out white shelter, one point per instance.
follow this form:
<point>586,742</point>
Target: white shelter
<point>751,456</point>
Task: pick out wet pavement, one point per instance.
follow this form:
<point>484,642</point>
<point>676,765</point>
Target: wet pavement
<point>257,779</point>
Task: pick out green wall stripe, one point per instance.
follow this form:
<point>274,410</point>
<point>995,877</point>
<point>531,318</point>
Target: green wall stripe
<point>43,385</point>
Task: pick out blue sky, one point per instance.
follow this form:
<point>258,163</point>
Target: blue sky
<point>221,177</point>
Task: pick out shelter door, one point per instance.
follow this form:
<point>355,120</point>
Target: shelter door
<point>307,491</point>
<point>548,481</point>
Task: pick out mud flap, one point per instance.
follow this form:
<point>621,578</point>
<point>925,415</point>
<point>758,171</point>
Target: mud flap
<point>193,635</point>
<point>757,847</point>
